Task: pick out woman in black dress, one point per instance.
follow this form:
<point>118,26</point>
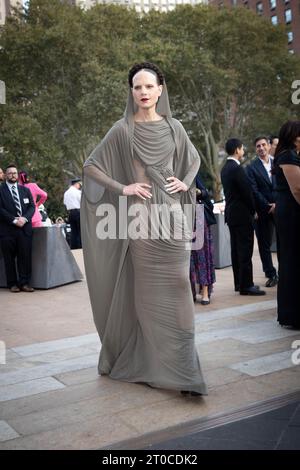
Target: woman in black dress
<point>287,213</point>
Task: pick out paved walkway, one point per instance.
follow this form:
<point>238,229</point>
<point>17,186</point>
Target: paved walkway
<point>52,398</point>
<point>278,429</point>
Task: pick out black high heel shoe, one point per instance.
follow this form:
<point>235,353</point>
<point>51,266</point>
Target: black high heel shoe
<point>193,394</point>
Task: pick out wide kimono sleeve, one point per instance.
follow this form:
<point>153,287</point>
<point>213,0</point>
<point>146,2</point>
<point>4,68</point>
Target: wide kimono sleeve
<point>186,167</point>
<point>188,159</point>
<point>104,169</point>
<point>108,267</point>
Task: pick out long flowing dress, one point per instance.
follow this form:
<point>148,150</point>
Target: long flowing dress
<point>287,215</point>
<point>202,269</point>
<point>139,288</point>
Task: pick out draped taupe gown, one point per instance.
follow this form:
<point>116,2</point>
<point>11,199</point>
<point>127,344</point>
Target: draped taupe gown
<point>139,288</point>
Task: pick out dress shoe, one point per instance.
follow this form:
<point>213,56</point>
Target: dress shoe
<point>254,290</point>
<point>27,288</point>
<point>237,288</point>
<point>272,281</point>
<point>193,394</point>
<point>290,327</point>
<point>14,289</point>
<point>205,302</point>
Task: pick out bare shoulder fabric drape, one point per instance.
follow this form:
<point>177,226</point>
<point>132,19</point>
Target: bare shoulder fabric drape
<point>139,288</point>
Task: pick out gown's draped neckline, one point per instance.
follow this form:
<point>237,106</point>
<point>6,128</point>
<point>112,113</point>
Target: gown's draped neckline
<point>153,141</point>
<point>154,148</point>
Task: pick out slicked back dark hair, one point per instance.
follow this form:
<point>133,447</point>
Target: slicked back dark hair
<point>145,65</point>
<point>287,136</point>
<point>232,145</point>
<point>261,137</point>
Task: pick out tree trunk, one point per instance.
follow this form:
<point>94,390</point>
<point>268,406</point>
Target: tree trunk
<point>217,187</point>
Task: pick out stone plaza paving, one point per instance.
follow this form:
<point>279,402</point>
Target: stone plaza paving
<point>52,398</point>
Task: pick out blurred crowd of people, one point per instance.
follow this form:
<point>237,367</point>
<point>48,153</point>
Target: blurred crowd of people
<point>265,198</point>
<point>22,210</point>
<point>250,201</point>
<point>262,198</point>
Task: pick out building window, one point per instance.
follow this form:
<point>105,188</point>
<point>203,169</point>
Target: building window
<point>288,15</point>
<point>274,19</point>
<point>259,8</point>
<point>290,36</point>
<point>272,4</point>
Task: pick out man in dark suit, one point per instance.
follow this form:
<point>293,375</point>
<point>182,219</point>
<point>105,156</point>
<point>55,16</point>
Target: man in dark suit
<point>263,186</point>
<point>239,216</point>
<point>16,210</point>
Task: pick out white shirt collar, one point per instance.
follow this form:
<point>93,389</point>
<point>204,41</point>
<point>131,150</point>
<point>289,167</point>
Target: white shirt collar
<point>10,185</point>
<point>267,163</point>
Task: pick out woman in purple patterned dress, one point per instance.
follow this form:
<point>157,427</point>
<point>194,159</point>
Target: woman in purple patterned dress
<point>202,270</point>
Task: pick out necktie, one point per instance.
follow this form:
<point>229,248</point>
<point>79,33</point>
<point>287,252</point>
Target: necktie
<point>16,200</point>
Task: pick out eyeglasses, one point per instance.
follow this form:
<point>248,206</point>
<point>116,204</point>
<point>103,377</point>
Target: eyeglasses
<point>11,173</point>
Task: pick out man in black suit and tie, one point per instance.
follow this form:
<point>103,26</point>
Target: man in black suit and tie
<point>263,186</point>
<point>239,216</point>
<point>16,210</point>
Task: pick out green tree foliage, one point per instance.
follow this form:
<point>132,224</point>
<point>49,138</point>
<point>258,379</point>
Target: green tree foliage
<point>65,74</point>
<point>228,73</point>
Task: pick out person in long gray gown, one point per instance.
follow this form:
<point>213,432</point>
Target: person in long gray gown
<point>139,286</point>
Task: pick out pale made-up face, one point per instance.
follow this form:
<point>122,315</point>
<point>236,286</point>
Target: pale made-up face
<point>262,148</point>
<point>145,90</point>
